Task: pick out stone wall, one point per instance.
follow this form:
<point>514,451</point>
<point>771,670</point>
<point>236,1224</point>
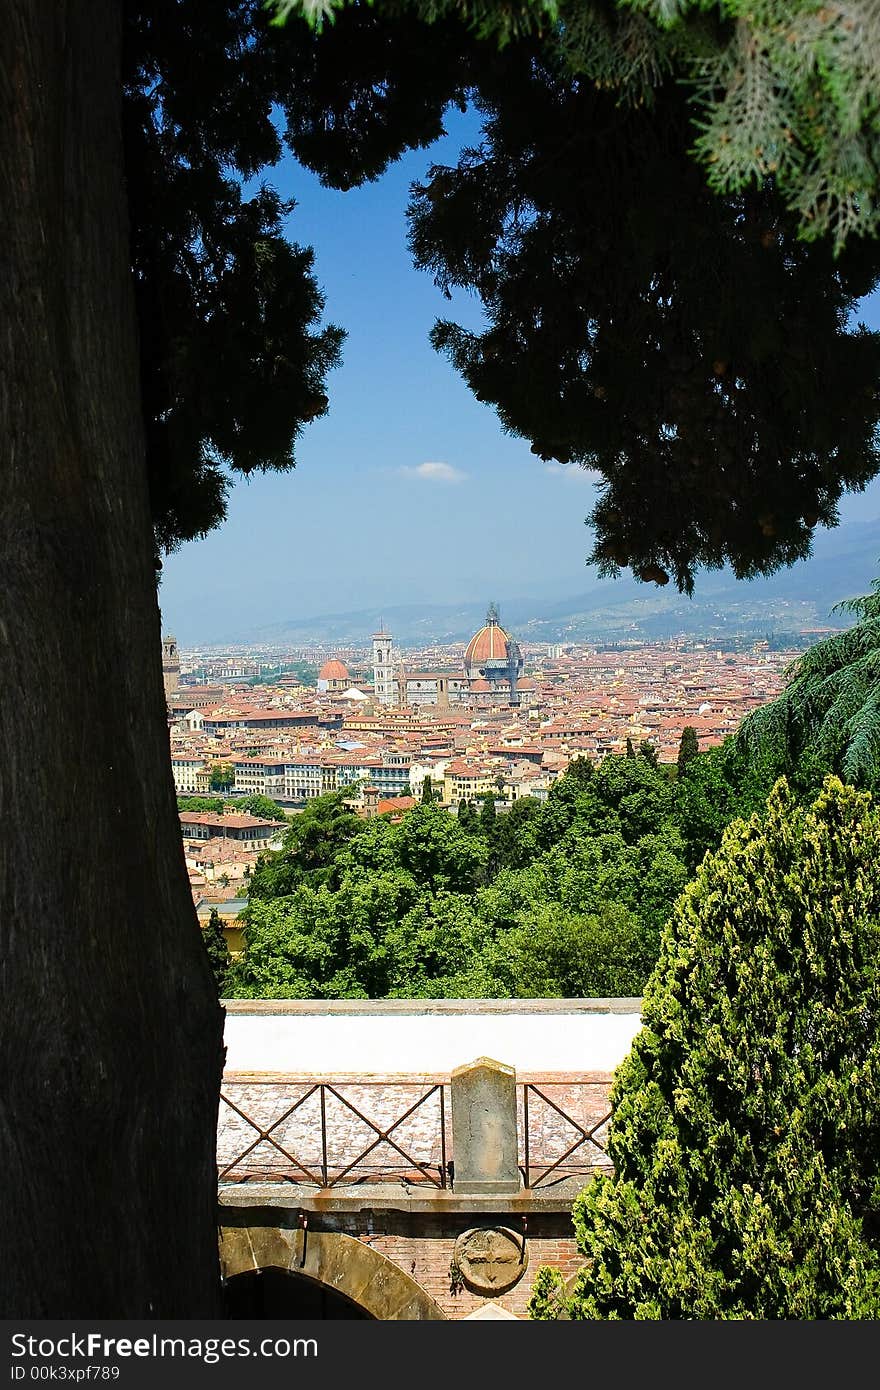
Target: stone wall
<point>421,1245</point>
<point>424,1246</point>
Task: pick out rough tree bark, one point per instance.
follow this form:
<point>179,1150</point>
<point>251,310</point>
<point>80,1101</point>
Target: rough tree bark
<point>110,1031</point>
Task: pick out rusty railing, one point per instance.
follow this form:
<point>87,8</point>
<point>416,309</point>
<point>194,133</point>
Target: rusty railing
<point>329,1140</point>
<point>595,1154</point>
<point>313,1133</point>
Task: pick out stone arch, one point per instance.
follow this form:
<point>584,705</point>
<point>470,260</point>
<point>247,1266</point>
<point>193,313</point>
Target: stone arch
<point>340,1261</point>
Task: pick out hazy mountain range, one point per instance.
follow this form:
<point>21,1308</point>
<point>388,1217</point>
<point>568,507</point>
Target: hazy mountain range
<point>843,564</point>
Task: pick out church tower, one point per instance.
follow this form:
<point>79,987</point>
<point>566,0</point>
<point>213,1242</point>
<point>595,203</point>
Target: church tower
<point>170,666</point>
<point>383,666</point>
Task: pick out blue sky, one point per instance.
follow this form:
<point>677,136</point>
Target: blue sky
<point>408,491</point>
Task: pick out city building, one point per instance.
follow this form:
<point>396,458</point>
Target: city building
<point>237,825</point>
<point>170,666</point>
<point>440,688</point>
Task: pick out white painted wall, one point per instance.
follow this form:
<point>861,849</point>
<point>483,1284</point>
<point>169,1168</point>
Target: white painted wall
<point>327,1043</point>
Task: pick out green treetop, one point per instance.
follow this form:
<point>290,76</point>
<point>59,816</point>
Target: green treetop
<point>688,748</point>
<point>217,949</point>
<point>222,776</point>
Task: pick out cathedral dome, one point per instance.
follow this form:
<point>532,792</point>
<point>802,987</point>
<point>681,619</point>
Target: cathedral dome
<point>491,643</point>
<point>333,670</point>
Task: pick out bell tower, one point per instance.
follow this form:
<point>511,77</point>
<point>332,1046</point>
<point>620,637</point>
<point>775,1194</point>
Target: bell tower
<point>170,666</point>
<point>383,666</point>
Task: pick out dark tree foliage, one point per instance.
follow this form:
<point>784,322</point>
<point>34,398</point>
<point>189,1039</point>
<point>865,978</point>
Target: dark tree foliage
<point>372,86</point>
<point>233,358</point>
<point>688,347</point>
<point>309,849</point>
<point>217,949</point>
<point>828,716</point>
<point>784,89</point>
<point>720,785</point>
<point>685,345</point>
<point>688,748</point>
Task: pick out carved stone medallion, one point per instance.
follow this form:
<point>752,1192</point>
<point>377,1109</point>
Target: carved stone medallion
<point>491,1259</point>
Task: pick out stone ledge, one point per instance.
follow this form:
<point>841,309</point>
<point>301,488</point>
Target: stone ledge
<point>273,1197</point>
<point>405,1078</point>
<point>416,1007</point>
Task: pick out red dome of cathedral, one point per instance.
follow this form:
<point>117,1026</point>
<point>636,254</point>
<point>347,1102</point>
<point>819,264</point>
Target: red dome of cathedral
<point>333,670</point>
<point>489,644</point>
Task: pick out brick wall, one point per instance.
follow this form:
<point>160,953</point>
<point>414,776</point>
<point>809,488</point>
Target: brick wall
<point>422,1246</point>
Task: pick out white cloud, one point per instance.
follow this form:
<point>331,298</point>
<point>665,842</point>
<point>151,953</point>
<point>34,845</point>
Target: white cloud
<point>433,472</point>
<point>572,472</point>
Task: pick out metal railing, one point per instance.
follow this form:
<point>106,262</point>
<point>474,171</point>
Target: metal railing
<point>595,1153</point>
<point>332,1155</point>
<point>314,1133</point>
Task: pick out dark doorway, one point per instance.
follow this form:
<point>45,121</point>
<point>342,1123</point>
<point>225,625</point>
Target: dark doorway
<point>278,1293</point>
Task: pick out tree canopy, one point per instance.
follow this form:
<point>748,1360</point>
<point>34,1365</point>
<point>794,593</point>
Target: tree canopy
<point>564,898</point>
<point>687,345</point>
<point>691,349</point>
<point>782,90</point>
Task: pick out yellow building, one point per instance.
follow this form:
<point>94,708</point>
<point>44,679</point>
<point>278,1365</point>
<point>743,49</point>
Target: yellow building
<point>464,782</point>
<point>228,912</point>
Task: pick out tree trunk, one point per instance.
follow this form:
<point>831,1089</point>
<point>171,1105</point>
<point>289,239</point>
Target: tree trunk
<point>110,1030</point>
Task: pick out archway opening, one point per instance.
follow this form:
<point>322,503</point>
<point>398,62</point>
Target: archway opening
<point>282,1293</point>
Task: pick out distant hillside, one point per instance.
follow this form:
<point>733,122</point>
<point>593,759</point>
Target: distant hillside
<point>843,564</point>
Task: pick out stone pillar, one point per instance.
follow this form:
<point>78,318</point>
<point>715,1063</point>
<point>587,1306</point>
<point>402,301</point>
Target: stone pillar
<point>484,1140</point>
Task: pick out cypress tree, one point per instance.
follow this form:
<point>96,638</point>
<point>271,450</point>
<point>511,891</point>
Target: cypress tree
<point>745,1117</point>
<point>688,748</point>
<point>427,791</point>
<point>648,751</point>
<point>218,951</point>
